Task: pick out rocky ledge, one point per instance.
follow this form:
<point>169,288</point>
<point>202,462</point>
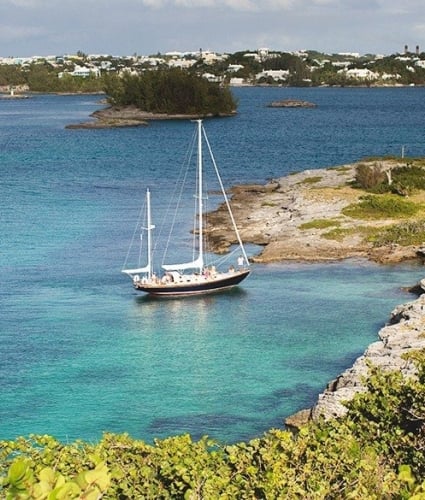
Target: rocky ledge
<point>128,116</point>
<point>404,333</point>
<point>299,217</point>
<point>292,103</point>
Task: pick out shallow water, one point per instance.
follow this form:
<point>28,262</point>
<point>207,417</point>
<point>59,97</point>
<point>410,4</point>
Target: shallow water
<point>82,353</point>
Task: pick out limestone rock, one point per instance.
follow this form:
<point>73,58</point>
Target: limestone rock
<point>404,333</point>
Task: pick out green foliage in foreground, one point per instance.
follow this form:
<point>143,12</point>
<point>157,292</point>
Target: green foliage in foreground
<point>171,91</point>
<point>375,451</point>
<point>381,207</point>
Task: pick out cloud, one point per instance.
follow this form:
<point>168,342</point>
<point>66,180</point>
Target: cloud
<point>237,5</point>
<point>19,32</point>
<point>25,3</point>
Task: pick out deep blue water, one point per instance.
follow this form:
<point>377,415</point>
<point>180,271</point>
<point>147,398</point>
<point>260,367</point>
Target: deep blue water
<point>81,353</point>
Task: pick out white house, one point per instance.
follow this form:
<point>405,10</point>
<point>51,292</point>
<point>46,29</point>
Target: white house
<point>276,74</point>
<point>84,71</point>
<point>361,73</point>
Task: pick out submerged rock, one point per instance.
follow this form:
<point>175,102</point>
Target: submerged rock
<point>292,103</point>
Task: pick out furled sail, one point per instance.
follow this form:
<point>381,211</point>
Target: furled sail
<point>138,270</point>
<point>196,264</point>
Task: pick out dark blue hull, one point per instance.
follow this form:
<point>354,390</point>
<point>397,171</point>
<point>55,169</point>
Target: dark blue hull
<point>192,288</point>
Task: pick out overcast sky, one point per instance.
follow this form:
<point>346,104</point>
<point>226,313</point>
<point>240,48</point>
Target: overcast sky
<point>125,27</point>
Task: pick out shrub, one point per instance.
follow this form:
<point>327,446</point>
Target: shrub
<point>407,233</point>
<point>375,451</point>
<point>369,176</point>
<point>319,224</point>
<point>381,207</point>
<point>408,178</point>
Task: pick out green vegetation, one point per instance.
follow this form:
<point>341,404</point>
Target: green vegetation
<point>319,224</point>
<point>337,234</point>
<point>369,176</point>
<point>381,207</point>
<point>305,69</point>
<point>171,91</point>
<point>45,78</point>
<point>375,451</point>
<point>404,234</point>
<point>402,180</point>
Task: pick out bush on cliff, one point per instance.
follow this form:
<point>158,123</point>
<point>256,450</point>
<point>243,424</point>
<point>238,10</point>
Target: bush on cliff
<point>375,451</point>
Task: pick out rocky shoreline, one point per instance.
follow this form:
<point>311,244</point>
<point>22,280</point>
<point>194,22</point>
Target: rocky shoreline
<point>299,218</point>
<point>404,333</point>
<point>282,217</point>
<point>127,116</point>
<point>292,103</point>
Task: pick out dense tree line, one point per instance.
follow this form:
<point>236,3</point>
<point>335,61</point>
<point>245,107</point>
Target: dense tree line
<point>45,78</point>
<point>172,91</point>
<point>375,451</point>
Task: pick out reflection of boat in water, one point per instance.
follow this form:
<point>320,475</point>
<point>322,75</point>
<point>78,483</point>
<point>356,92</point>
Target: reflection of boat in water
<point>197,276</point>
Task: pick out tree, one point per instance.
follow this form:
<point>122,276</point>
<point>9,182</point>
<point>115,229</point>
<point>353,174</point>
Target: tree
<point>171,91</point>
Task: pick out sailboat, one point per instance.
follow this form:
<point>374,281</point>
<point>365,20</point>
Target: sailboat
<point>195,277</point>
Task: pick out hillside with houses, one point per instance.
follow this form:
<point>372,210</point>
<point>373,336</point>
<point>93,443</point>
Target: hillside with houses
<point>86,72</point>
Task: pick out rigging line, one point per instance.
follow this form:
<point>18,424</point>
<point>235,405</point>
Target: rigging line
<point>181,182</point>
<point>139,219</point>
<point>226,199</point>
<point>172,199</point>
<point>225,258</point>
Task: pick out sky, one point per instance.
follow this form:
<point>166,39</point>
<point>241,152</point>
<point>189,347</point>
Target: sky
<point>147,27</point>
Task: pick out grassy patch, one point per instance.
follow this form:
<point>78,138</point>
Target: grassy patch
<point>381,207</point>
<point>404,234</point>
<point>311,180</point>
<point>319,224</point>
<point>338,233</point>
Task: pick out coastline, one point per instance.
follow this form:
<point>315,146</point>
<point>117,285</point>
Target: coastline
<point>129,116</point>
<point>404,333</point>
<point>299,218</point>
<point>279,216</point>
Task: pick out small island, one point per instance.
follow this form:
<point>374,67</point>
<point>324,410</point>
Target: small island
<point>160,95</point>
<point>292,103</point>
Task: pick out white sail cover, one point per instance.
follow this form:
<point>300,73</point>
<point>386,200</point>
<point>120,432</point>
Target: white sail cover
<point>138,270</point>
<point>196,264</point>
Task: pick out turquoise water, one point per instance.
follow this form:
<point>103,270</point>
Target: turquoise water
<point>82,353</point>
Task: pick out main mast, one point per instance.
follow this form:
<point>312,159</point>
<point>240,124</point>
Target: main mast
<point>149,230</point>
<point>200,203</point>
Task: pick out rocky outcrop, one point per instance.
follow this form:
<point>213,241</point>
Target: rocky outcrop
<point>292,103</point>
<point>300,217</point>
<point>129,116</point>
<point>404,333</point>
